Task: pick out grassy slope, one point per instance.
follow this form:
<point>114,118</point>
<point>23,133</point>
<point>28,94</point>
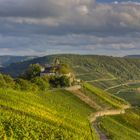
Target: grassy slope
<point>51,115</point>
<point>110,99</point>
<point>119,127</point>
<point>55,114</point>
<point>129,92</point>
<point>122,127</point>
<point>60,115</point>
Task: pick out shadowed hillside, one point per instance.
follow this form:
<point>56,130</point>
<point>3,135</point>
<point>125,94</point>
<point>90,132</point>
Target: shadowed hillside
<point>7,59</point>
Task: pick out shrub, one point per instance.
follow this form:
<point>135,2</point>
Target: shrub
<point>6,81</point>
<point>41,82</point>
<point>25,85</point>
<point>2,82</point>
<point>64,69</point>
<point>10,83</point>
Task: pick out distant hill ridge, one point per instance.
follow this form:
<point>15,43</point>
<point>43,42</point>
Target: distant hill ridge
<point>99,66</point>
<point>6,60</point>
<point>132,56</point>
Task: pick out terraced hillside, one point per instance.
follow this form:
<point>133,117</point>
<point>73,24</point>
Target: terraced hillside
<point>105,104</point>
<point>115,124</point>
<point>107,98</point>
<point>61,114</point>
<point>128,91</point>
<point>122,127</point>
<point>106,83</point>
<point>52,115</point>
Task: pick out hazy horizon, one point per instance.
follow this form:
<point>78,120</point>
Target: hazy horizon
<point>69,54</point>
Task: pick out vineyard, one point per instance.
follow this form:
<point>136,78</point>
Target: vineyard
<point>106,104</point>
<point>51,115</point>
<point>122,127</point>
<point>110,99</point>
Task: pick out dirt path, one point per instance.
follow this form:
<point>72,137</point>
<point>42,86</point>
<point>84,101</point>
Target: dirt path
<point>100,133</point>
<point>77,92</point>
<point>93,117</point>
<point>124,84</point>
<point>97,80</point>
<point>81,74</point>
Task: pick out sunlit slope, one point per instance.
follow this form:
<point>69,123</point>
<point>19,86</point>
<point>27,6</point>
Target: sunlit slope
<point>102,96</point>
<point>52,115</point>
<point>129,92</point>
<point>122,127</point>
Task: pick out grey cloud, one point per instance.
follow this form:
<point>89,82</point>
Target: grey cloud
<point>72,16</point>
<point>39,26</point>
<point>38,8</point>
<point>42,45</point>
<point>29,8</point>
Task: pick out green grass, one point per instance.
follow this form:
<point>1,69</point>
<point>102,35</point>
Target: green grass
<point>122,127</point>
<point>105,96</point>
<point>51,115</point>
<point>103,105</point>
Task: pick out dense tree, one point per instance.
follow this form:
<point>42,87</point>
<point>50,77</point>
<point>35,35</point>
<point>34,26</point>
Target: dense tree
<point>64,69</point>
<point>59,81</point>
<point>64,81</point>
<point>41,82</point>
<point>33,71</point>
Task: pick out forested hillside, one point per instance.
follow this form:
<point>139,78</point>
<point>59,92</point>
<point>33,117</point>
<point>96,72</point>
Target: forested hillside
<point>99,66</point>
<point>132,56</point>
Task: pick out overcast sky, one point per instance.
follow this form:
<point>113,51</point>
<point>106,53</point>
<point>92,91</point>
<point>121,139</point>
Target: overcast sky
<point>41,27</point>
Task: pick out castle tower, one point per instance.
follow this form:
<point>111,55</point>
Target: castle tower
<point>57,62</point>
